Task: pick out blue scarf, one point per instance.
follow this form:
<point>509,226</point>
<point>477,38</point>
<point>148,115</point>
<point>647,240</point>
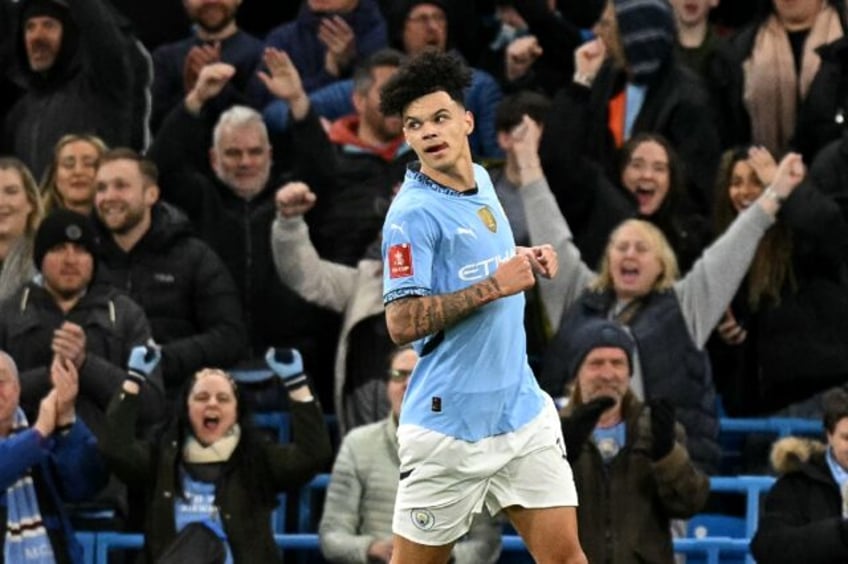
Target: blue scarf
<point>26,538</point>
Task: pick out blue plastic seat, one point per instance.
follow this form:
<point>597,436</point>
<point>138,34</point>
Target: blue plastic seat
<point>306,503</point>
<point>107,541</point>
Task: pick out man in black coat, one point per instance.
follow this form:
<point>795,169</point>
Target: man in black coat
<point>148,250</point>
<point>75,82</point>
<point>64,314</point>
<point>228,193</point>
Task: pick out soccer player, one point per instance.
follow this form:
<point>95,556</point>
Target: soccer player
<point>475,428</point>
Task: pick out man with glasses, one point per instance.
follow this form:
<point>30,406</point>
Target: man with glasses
<point>356,525</point>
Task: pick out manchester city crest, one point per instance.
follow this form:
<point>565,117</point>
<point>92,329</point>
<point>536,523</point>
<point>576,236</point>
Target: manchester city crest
<point>422,518</point>
<point>488,218</point>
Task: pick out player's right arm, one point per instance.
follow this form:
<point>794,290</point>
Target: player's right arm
<point>411,318</point>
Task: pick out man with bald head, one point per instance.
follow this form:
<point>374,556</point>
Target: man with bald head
<point>56,454</point>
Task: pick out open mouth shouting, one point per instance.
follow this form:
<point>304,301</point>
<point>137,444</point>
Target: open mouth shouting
<point>647,197</point>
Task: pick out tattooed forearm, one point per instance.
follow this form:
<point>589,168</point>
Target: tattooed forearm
<point>410,319</point>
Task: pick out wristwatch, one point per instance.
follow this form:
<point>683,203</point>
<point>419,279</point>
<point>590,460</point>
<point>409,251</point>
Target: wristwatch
<point>772,194</point>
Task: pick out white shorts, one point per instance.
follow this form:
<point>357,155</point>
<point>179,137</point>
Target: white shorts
<point>445,481</point>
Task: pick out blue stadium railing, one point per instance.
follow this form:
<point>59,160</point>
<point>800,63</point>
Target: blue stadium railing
<point>710,549</point>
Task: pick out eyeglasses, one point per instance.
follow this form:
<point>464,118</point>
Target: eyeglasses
<point>424,19</point>
<point>399,375</point>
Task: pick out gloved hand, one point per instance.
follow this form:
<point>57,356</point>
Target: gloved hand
<point>662,428</point>
<point>287,364</point>
<point>143,361</point>
<point>577,427</point>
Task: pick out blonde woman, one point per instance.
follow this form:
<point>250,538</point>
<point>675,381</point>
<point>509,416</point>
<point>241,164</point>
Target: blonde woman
<point>20,214</point>
<point>670,319</point>
<point>69,179</point>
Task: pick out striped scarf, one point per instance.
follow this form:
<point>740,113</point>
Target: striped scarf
<point>26,538</point>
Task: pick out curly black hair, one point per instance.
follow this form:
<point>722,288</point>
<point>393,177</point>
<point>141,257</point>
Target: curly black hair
<point>424,74</point>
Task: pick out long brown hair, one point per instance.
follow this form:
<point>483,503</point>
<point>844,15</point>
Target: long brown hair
<point>771,267</point>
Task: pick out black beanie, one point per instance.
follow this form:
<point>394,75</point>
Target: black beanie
<point>648,33</point>
<point>401,11</point>
<point>56,9</point>
<point>598,333</point>
<point>408,5</point>
<point>63,226</point>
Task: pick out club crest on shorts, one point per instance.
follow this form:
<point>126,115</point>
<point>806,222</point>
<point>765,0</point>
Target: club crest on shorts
<point>488,218</point>
<point>422,518</point>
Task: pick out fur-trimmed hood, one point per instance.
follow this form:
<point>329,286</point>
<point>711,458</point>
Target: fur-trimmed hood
<point>791,453</point>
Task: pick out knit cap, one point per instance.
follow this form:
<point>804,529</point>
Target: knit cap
<point>647,32</point>
<point>56,9</point>
<point>597,333</point>
<point>63,226</point>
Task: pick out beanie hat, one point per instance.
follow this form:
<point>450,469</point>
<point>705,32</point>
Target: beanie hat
<point>647,32</point>
<point>63,226</point>
<point>401,11</point>
<point>56,9</point>
<point>597,333</point>
<point>407,6</point>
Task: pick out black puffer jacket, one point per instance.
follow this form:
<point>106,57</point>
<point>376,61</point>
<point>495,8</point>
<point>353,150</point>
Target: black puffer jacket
<point>239,231</point>
<point>186,292</point>
<point>802,518</point>
<point>96,85</point>
<point>113,325</point>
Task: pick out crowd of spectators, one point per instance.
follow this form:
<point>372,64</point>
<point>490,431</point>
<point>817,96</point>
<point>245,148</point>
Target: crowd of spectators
<point>213,176</point>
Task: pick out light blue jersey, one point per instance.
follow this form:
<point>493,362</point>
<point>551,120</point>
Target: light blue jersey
<point>472,380</point>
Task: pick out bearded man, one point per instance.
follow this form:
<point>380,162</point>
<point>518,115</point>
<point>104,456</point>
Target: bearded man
<point>216,38</point>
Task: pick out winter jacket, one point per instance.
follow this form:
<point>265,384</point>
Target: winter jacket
<point>299,38</point>
<point>359,505</point>
<point>99,84</point>
<point>812,130</point>
<point>187,294</point>
<point>802,519</point>
<point>238,230</point>
<point>246,515</point>
<point>822,113</point>
<point>626,505</point>
<point>673,367</point>
<point>113,325</point>
<point>65,467</point>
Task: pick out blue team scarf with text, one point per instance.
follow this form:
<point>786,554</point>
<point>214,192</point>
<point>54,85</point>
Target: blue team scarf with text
<point>26,538</point>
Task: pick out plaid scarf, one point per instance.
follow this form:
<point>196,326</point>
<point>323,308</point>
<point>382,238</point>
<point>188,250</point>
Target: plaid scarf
<point>26,538</point>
